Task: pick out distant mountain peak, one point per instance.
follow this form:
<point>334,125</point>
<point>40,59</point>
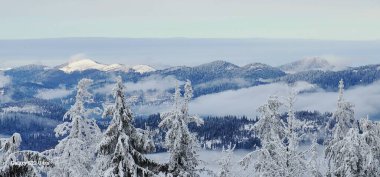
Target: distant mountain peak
<point>307,64</point>
<point>32,67</point>
<point>81,65</point>
<point>143,68</point>
<point>253,66</point>
<point>219,64</point>
<point>87,64</point>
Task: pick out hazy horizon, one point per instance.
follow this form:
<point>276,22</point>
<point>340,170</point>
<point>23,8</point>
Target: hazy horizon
<point>163,52</point>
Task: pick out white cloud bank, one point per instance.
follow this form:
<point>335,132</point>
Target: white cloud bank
<point>4,80</point>
<point>5,95</point>
<point>49,94</point>
<point>246,101</point>
<point>154,82</point>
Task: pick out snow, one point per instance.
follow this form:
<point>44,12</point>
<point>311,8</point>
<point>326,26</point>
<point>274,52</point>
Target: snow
<point>143,68</point>
<point>87,64</point>
<point>256,66</point>
<point>116,67</point>
<point>211,158</point>
<point>32,109</point>
<point>308,64</point>
<point>82,65</point>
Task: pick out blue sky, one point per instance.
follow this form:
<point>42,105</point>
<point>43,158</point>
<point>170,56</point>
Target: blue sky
<point>305,19</point>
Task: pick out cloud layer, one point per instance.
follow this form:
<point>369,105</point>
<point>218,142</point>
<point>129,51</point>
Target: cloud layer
<point>246,101</point>
<point>49,94</point>
<point>4,80</point>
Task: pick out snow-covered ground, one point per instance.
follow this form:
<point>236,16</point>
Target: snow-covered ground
<point>211,157</point>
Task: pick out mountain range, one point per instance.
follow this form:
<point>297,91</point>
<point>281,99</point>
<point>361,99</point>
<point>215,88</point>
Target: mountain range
<point>149,86</point>
<point>34,98</point>
<point>30,80</point>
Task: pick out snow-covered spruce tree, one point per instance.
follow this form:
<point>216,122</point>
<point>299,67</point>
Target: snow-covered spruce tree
<point>295,162</point>
<point>350,156</point>
<point>180,142</point>
<point>314,163</point>
<point>120,150</point>
<point>344,115</point>
<point>17,163</point>
<point>225,162</point>
<point>279,154</point>
<point>344,121</point>
<point>75,153</point>
<point>371,135</point>
<point>267,161</point>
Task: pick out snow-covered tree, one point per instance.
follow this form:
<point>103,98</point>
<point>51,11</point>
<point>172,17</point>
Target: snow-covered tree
<point>267,161</point>
<point>279,154</point>
<point>295,162</point>
<point>225,162</point>
<point>314,163</point>
<point>371,135</point>
<point>9,146</point>
<point>16,163</point>
<point>75,153</point>
<point>120,150</point>
<point>350,156</point>
<point>344,122</point>
<point>180,142</point>
<point>343,116</point>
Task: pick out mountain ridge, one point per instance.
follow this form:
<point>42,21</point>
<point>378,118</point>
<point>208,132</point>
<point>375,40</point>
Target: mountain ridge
<point>88,64</point>
<point>307,64</point>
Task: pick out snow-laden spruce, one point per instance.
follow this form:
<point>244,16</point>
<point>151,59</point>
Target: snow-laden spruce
<point>180,142</point>
<point>371,135</point>
<point>314,164</point>
<point>279,154</point>
<point>120,152</point>
<point>16,163</point>
<point>270,129</point>
<point>225,162</point>
<point>354,147</point>
<point>75,153</point>
<point>295,161</point>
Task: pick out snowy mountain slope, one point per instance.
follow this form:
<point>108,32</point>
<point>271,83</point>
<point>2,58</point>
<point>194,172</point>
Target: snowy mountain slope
<point>218,70</point>
<point>307,64</point>
<point>143,69</point>
<point>81,65</point>
<point>87,64</point>
<point>214,77</point>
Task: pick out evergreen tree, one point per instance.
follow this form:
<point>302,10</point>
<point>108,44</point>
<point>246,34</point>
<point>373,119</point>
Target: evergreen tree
<point>270,129</point>
<point>180,142</point>
<point>279,154</point>
<point>371,136</point>
<point>314,163</point>
<point>349,155</point>
<point>122,145</point>
<point>74,154</point>
<point>295,162</point>
<point>344,115</point>
<point>347,151</point>
<point>225,162</point>
<point>16,163</point>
